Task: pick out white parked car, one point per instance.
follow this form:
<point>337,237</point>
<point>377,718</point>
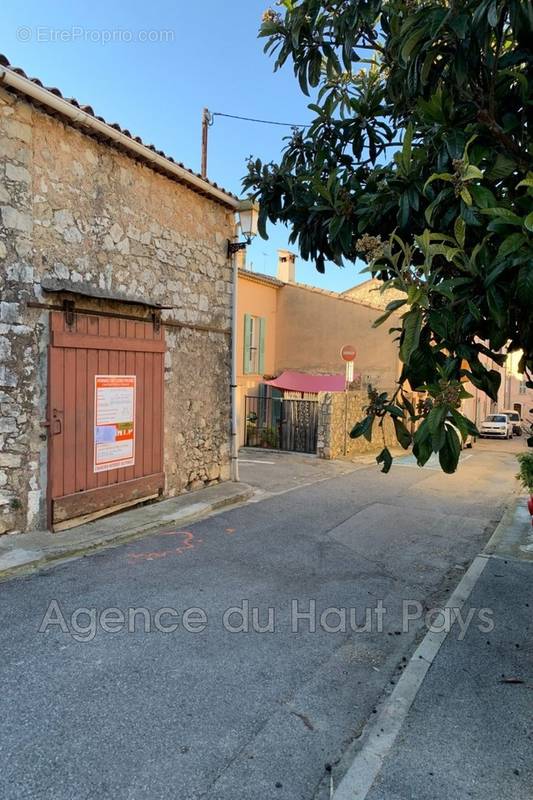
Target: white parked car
<point>514,416</point>
<point>497,425</point>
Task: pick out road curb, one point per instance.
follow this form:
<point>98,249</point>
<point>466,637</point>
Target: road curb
<point>380,736</point>
<point>195,512</point>
<point>503,525</point>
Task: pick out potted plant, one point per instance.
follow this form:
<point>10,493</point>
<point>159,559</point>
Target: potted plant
<point>269,438</point>
<point>525,476</point>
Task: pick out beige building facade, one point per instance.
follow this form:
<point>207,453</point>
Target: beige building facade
<point>283,325</point>
<point>314,324</point>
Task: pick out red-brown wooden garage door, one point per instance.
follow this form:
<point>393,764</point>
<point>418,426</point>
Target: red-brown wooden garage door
<point>82,479</point>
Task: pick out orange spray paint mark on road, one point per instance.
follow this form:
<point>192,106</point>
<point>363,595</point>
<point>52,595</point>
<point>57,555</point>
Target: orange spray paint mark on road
<point>188,542</point>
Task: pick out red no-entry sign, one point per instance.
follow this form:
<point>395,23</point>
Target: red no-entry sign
<point>348,352</point>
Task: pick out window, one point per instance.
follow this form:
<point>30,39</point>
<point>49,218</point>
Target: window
<point>254,344</point>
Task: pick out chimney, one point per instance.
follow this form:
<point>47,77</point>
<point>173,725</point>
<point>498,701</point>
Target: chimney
<point>286,266</point>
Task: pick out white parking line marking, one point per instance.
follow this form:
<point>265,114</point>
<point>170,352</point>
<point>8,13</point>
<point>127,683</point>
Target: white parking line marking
<point>251,461</point>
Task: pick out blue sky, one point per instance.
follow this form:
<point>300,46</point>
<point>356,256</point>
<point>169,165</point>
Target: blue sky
<point>157,89</point>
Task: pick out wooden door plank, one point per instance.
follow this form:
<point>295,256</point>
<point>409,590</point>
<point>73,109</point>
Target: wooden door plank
<point>139,410</point>
<point>81,420</point>
<point>104,346</point>
<point>57,404</point>
<point>81,408</point>
<point>148,411</point>
<point>102,478</point>
<point>92,369</point>
<point>122,371</point>
<point>157,416</point>
<point>75,505</point>
<point>130,370</point>
<point>101,342</point>
<point>69,421</point>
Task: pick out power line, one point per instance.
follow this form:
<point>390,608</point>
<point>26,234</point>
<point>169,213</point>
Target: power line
<point>262,121</point>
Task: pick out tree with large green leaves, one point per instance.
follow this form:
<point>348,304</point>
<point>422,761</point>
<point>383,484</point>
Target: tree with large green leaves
<point>419,161</point>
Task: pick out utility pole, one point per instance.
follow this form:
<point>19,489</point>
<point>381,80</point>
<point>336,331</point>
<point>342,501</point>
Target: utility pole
<point>206,120</point>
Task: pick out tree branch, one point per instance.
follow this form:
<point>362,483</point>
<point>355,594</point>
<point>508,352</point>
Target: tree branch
<point>486,118</point>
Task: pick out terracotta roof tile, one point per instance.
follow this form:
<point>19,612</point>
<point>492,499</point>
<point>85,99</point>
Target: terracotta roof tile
<point>260,277</point>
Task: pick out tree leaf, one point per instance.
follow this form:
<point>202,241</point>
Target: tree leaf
<point>450,451</point>
<point>459,230</point>
<point>466,196</point>
<point>440,176</point>
<point>503,214</point>
<point>412,326</point>
<point>524,285</point>
<point>435,418</point>
<point>511,244</point>
<point>422,444</point>
<point>464,425</point>
<point>502,168</point>
<point>402,434</point>
<point>526,181</point>
<point>408,405</point>
<point>367,433</point>
<point>385,458</point>
<point>471,173</point>
<point>360,428</point>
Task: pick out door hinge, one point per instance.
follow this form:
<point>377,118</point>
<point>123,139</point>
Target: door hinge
<point>69,309</point>
<point>156,319</point>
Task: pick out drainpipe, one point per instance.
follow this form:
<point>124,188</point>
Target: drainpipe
<point>234,425</point>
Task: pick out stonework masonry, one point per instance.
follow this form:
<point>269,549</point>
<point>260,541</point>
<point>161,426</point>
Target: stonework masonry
<point>369,293</point>
<point>338,413</point>
<point>75,209</point>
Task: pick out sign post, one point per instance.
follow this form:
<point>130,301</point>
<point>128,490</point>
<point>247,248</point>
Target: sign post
<point>348,354</point>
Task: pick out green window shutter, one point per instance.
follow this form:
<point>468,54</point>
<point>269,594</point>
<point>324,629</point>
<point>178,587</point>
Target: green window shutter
<point>247,366</point>
<point>262,332</point>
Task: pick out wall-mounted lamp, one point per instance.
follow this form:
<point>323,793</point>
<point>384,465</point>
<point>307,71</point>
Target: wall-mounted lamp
<point>248,215</point>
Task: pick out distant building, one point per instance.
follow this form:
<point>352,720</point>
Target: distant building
<point>371,293</point>
<point>513,394</point>
<point>293,333</point>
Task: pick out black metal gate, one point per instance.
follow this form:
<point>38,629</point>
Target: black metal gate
<point>276,423</point>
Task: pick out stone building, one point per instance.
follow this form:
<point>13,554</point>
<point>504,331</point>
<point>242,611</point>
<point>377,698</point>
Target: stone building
<point>113,263</point>
<point>370,293</point>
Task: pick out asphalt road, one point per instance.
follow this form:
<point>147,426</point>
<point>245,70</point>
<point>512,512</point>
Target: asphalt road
<point>218,714</point>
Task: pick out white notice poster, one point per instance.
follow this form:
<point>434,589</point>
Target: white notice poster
<point>114,422</point>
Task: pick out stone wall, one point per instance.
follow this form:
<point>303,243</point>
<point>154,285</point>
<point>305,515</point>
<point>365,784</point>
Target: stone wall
<point>72,208</point>
<point>338,413</point>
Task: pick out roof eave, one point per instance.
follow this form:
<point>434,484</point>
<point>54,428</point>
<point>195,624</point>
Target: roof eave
<point>82,119</point>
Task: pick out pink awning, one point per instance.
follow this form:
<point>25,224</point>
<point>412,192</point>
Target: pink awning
<point>302,382</point>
